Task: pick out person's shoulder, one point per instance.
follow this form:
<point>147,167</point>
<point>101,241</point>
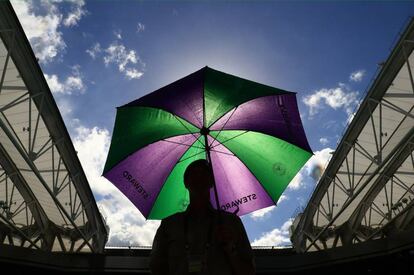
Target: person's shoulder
<point>174,218</point>
<point>228,216</point>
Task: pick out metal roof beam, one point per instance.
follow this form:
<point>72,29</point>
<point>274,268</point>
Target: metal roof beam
<point>17,231</point>
<point>30,163</point>
<point>22,186</point>
<point>354,221</point>
<point>34,80</point>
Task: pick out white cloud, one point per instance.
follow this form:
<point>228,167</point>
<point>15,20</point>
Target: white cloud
<point>318,162</point>
<point>118,34</point>
<point>262,213</point>
<point>94,50</point>
<point>118,54</point>
<point>357,76</point>
<point>323,140</point>
<point>127,60</point>
<point>282,198</point>
<point>74,83</point>
<point>71,84</point>
<point>42,27</point>
<point>350,118</point>
<point>276,237</point>
<point>313,168</point>
<point>338,97</point>
<point>126,223</point>
<point>75,14</point>
<point>65,108</point>
<point>140,27</point>
<point>265,212</point>
<point>54,84</point>
<point>297,182</point>
<point>92,145</point>
<point>133,73</point>
<point>42,31</point>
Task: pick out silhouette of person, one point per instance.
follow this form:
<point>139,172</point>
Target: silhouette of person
<point>201,240</point>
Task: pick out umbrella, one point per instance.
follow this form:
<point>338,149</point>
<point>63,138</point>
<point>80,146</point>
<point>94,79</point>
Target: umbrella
<point>250,133</point>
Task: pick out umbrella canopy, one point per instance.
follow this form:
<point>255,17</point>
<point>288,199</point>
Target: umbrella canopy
<point>253,133</point>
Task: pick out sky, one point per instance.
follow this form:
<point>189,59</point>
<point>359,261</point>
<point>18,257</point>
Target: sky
<point>97,55</point>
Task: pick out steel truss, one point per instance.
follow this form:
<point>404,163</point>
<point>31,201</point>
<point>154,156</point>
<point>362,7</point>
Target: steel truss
<point>367,190</point>
<point>45,200</point>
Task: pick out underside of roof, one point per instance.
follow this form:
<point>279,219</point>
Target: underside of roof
<point>45,199</point>
<point>367,190</point>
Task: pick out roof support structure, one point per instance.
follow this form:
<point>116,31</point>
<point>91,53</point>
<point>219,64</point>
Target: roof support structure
<point>374,149</point>
<point>13,230</point>
<point>354,222</point>
<point>39,215</point>
<point>29,161</point>
<point>36,148</point>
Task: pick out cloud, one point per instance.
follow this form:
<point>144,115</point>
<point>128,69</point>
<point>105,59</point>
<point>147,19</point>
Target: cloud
<point>324,140</point>
<point>42,31</point>
<point>72,83</point>
<point>318,162</point>
<point>127,225</point>
<point>94,50</point>
<point>140,27</point>
<point>339,97</point>
<point>127,60</point>
<point>75,14</point>
<point>65,108</point>
<point>118,34</point>
<point>357,76</point>
<point>297,182</point>
<point>92,145</point>
<point>313,168</point>
<point>42,27</point>
<point>133,73</point>
<point>265,212</point>
<point>276,237</point>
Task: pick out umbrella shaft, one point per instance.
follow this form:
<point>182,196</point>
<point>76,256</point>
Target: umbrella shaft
<point>211,166</point>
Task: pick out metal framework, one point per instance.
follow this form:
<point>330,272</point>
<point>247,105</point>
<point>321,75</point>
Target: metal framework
<point>367,190</point>
<point>45,199</point>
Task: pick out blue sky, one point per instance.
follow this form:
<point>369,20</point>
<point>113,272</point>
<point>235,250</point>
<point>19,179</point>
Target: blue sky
<point>101,54</point>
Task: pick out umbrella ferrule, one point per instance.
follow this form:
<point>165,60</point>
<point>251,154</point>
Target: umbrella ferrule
<point>204,131</point>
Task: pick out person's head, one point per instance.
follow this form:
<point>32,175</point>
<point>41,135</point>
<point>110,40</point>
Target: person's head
<point>198,177</point>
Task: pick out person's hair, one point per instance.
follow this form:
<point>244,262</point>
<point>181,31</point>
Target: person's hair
<point>195,164</point>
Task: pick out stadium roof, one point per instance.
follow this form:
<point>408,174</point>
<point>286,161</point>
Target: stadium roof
<point>367,191</point>
<point>45,199</point>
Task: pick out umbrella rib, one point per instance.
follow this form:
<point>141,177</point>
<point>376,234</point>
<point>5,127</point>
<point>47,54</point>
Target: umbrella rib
<point>222,127</point>
<point>241,103</point>
<point>185,103</point>
<point>230,139</point>
<point>233,155</point>
<point>181,160</point>
<point>205,151</point>
<point>179,143</point>
<point>189,131</point>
